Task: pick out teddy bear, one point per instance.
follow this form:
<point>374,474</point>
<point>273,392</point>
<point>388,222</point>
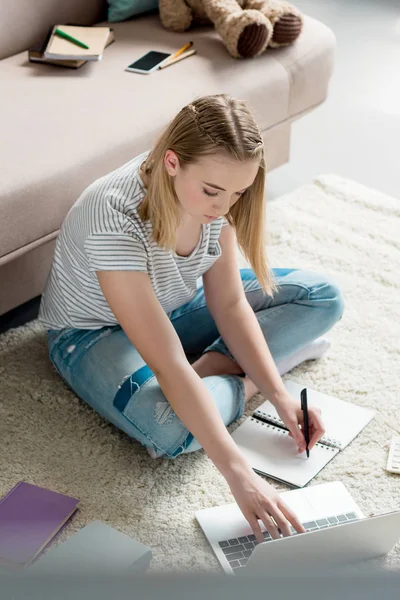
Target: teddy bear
<point>246,27</point>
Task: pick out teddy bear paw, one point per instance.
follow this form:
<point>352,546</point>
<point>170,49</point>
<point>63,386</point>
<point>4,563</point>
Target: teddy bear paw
<point>286,30</point>
<point>247,33</point>
<point>253,40</point>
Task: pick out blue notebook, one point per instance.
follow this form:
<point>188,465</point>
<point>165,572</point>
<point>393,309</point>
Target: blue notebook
<point>96,548</point>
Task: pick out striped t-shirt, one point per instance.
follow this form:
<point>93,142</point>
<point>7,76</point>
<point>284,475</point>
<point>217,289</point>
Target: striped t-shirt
<point>104,232</point>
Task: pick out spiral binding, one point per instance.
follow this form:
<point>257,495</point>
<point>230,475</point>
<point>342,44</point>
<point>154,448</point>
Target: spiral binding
<point>325,441</point>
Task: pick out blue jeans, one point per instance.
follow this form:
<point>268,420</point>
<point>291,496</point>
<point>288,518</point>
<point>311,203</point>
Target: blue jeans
<point>104,369</point>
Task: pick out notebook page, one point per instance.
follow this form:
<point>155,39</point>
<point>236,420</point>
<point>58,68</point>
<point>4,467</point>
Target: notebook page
<point>271,451</point>
<point>343,421</point>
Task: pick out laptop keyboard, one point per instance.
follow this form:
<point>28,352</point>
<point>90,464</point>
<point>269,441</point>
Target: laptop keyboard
<point>238,550</point>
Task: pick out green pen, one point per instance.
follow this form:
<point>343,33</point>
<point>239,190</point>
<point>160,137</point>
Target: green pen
<point>70,38</point>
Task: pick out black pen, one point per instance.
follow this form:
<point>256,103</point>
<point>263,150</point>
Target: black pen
<point>304,408</point>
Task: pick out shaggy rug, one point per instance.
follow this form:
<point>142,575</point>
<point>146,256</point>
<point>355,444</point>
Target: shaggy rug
<point>52,439</point>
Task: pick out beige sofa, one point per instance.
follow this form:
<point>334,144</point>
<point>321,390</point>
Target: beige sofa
<point>63,128</point>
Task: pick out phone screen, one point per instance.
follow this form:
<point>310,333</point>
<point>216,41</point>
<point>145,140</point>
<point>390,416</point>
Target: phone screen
<point>149,61</point>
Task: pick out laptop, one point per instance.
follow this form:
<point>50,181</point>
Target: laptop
<point>337,534</point>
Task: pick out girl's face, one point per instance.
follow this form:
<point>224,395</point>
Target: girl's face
<point>207,189</point>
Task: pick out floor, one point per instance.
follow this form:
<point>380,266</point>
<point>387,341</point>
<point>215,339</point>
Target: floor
<point>356,131</point>
<point>54,438</point>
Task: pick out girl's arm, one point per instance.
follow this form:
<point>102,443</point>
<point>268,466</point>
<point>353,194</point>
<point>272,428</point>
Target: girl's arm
<point>136,307</point>
<point>243,336</point>
<point>132,299</point>
<point>236,321</point>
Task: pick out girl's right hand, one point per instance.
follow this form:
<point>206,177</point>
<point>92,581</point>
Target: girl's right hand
<point>257,499</point>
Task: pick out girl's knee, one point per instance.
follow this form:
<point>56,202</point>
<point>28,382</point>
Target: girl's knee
<point>154,423</point>
<point>152,419</point>
<point>329,292</point>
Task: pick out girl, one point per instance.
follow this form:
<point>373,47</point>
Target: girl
<point>124,310</point>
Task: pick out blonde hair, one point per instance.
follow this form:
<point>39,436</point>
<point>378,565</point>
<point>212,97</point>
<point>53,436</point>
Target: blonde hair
<point>211,124</point>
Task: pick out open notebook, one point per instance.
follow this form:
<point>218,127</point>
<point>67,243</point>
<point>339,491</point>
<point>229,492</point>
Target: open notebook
<point>265,442</point>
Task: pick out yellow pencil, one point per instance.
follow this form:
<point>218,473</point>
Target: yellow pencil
<point>185,47</point>
<point>181,57</point>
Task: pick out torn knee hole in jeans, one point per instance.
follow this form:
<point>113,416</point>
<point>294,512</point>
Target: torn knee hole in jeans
<point>131,384</point>
<point>134,387</point>
<point>163,412</point>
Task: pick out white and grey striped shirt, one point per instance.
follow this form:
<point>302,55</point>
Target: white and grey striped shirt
<point>103,231</point>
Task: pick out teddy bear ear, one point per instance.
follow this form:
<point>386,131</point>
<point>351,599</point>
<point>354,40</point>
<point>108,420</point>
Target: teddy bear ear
<point>287,29</point>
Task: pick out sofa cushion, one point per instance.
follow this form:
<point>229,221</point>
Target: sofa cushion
<point>120,10</point>
<point>63,128</point>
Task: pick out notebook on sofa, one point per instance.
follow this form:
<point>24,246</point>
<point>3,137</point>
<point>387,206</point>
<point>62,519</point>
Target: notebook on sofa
<point>94,37</point>
<point>36,53</point>
<point>264,438</point>
<point>30,517</point>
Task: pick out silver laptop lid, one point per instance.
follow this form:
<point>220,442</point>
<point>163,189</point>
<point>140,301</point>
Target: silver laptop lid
<point>326,548</point>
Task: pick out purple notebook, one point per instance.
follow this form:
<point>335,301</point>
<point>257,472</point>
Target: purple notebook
<point>30,517</point>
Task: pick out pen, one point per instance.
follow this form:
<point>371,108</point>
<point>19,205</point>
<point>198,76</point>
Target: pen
<point>181,57</point>
<point>70,38</point>
<point>185,47</point>
<point>304,408</point>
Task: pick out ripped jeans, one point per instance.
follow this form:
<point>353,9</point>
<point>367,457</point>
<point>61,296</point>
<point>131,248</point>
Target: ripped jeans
<point>104,369</point>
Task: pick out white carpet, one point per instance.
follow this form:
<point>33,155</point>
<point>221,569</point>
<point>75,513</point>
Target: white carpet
<point>50,438</point>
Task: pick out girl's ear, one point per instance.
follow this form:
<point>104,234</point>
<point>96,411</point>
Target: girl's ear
<point>171,162</point>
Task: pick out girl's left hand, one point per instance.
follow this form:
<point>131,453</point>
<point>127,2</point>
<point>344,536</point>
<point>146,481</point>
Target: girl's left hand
<point>291,414</point>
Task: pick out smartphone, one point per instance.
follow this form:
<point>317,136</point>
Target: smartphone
<point>148,62</point>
